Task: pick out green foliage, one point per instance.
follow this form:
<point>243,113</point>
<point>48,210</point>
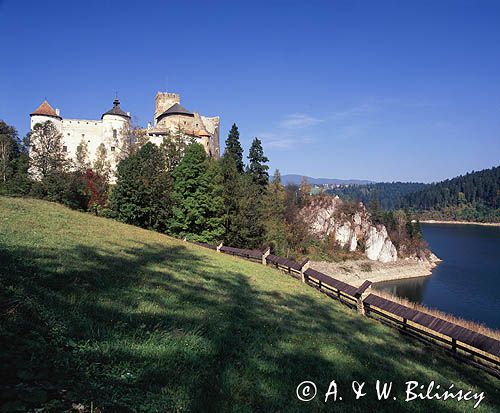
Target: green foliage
<point>249,218</point>
<point>142,193</point>
<point>9,151</point>
<point>102,165</point>
<point>82,161</point>
<point>14,177</point>
<point>388,194</point>
<point>47,155</point>
<point>244,210</point>
<point>173,148</point>
<point>377,213</point>
<point>231,181</point>
<point>234,149</point>
<point>197,197</point>
<point>275,225</point>
<point>67,188</point>
<point>257,167</point>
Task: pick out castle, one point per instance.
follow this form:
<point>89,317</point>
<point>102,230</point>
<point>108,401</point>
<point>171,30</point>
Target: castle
<point>169,118</point>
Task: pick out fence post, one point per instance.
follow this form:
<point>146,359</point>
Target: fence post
<point>265,254</point>
<point>363,291</point>
<point>219,246</point>
<point>303,269</point>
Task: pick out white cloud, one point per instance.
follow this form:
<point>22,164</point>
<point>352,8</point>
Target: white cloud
<point>282,140</point>
<point>298,120</point>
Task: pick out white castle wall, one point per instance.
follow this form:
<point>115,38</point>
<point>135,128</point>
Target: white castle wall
<point>94,132</point>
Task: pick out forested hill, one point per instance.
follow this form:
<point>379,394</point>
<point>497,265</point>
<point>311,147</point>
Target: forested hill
<point>389,194</point>
<point>474,196</point>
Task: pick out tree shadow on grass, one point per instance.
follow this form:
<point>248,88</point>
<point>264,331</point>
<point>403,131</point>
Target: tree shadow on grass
<point>155,328</point>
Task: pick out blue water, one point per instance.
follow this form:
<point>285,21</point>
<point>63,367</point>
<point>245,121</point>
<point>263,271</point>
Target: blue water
<point>467,282</point>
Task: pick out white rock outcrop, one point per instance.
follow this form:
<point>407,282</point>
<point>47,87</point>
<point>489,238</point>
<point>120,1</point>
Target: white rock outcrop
<point>344,235</point>
<point>378,245</point>
<point>328,216</point>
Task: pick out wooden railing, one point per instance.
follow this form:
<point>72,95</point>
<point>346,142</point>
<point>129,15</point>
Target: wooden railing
<point>468,345</point>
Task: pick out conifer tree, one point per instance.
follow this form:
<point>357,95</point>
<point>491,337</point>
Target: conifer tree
<point>197,197</point>
<point>234,149</point>
<point>249,218</point>
<point>257,167</point>
<point>231,181</point>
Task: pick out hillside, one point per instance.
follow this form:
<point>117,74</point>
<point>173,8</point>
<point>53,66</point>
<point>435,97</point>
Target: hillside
<point>470,197</point>
<point>388,194</point>
<point>95,311</point>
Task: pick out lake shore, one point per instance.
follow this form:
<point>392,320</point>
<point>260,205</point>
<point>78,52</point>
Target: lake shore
<point>355,272</point>
<point>485,224</point>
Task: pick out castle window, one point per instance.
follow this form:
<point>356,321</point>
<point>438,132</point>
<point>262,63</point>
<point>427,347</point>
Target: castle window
<point>83,135</point>
<point>114,133</point>
<point>68,133</point>
<point>88,141</point>
<point>112,149</point>
<point>65,149</point>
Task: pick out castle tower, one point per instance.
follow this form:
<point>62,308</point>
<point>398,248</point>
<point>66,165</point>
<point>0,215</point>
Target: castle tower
<point>45,112</point>
<point>164,101</point>
<point>114,122</point>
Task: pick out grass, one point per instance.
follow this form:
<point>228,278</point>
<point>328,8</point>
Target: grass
<point>94,312</point>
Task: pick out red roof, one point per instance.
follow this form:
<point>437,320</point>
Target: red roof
<point>46,110</point>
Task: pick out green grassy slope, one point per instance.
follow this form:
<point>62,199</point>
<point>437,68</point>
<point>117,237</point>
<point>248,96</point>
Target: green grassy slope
<point>97,311</point>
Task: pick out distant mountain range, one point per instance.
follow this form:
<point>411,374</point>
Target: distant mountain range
<point>296,179</point>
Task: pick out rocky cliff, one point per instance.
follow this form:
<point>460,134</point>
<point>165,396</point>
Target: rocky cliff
<point>351,226</point>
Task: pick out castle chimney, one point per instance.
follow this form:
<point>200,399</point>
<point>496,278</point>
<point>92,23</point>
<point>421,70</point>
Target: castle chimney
<point>57,112</point>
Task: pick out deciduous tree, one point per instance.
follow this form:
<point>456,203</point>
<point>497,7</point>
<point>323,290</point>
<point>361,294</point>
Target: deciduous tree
<point>47,153</point>
<point>141,195</point>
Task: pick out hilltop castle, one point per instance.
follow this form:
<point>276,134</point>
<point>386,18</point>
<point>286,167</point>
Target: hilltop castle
<point>169,118</point>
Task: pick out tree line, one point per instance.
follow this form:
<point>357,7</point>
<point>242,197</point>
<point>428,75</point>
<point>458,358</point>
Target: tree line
<point>176,189</point>
<point>173,188</point>
<point>387,194</point>
<point>474,196</point>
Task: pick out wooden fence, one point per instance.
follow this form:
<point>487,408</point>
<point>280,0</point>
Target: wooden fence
<point>467,345</point>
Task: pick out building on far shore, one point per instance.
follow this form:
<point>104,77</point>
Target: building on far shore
<point>169,118</point>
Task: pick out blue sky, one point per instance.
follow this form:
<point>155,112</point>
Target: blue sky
<point>399,90</point>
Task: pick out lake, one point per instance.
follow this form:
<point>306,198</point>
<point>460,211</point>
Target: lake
<point>467,282</point>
